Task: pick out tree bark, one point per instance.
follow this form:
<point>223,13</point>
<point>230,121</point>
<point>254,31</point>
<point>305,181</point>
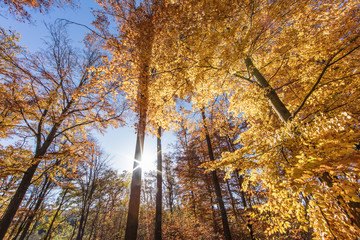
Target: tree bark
<point>158,232</point>
<point>86,207</point>
<point>145,43</point>
<point>22,219</point>
<point>95,219</point>
<point>27,177</point>
<point>213,213</point>
<point>41,198</point>
<point>224,218</point>
<point>135,187</point>
<point>270,93</point>
<point>16,200</point>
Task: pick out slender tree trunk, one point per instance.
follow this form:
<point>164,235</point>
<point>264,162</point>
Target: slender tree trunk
<point>158,232</point>
<point>81,224</point>
<point>74,230</point>
<point>40,200</point>
<point>32,228</point>
<point>44,190</point>
<point>16,200</point>
<point>17,226</point>
<point>120,224</point>
<point>213,213</point>
<point>95,220</point>
<point>232,200</point>
<point>224,218</point>
<point>242,193</point>
<point>23,218</point>
<point>169,185</point>
<point>193,202</point>
<point>48,232</point>
<point>270,94</point>
<point>135,187</point>
<point>171,202</point>
<point>89,191</point>
<point>84,218</point>
<point>243,199</point>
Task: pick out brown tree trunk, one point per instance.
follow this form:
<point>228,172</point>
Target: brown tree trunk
<point>213,213</point>
<point>22,219</point>
<point>27,177</point>
<point>242,193</point>
<point>158,235</point>
<point>135,187</point>
<point>85,210</point>
<point>224,218</point>
<point>270,94</point>
<point>41,198</point>
<point>232,200</point>
<point>16,200</point>
<point>145,43</point>
<point>95,220</point>
<point>48,232</point>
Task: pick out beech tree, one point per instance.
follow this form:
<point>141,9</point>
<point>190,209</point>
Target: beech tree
<point>278,81</point>
<point>159,189</point>
<point>285,56</point>
<point>132,48</point>
<point>219,43</point>
<point>56,96</point>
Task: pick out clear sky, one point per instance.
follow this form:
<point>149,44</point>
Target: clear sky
<point>119,143</point>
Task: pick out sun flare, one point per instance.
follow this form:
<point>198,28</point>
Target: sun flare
<point>148,163</point>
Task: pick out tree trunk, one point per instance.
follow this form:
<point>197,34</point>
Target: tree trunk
<point>16,200</point>
<point>270,94</point>
<point>84,217</point>
<point>41,197</point>
<point>213,213</point>
<point>135,187</point>
<point>171,203</point>
<point>81,225</point>
<point>22,219</point>
<point>158,235</point>
<point>224,218</point>
<point>232,200</point>
<point>242,193</point>
<point>119,230</point>
<point>74,230</point>
<point>26,180</point>
<point>95,219</point>
<point>48,232</point>
<point>145,43</point>
<point>193,202</point>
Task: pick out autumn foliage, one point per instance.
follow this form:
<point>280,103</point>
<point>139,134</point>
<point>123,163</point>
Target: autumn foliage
<point>263,98</point>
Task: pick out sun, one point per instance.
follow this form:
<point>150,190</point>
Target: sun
<point>148,162</point>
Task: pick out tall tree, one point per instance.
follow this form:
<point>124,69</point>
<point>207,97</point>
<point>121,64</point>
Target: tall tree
<point>159,187</point>
<point>132,49</point>
<point>57,96</point>
<point>88,184</point>
<point>224,218</point>
<point>304,54</point>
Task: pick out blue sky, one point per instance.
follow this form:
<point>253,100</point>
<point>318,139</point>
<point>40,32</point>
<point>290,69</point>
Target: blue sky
<point>119,143</point>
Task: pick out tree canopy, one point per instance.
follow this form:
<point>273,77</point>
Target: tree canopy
<point>262,97</point>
